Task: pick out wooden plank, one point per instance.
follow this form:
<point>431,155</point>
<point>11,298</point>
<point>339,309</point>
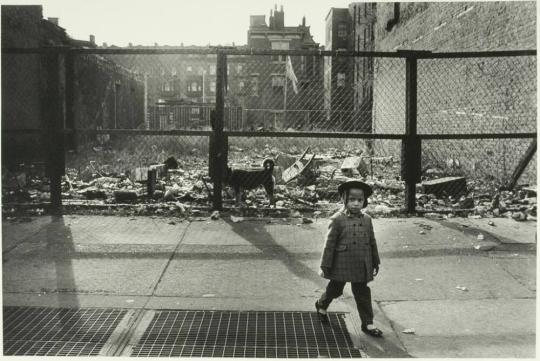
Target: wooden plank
<point>523,163</point>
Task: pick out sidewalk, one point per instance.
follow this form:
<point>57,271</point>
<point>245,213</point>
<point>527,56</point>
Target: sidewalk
<point>272,265</point>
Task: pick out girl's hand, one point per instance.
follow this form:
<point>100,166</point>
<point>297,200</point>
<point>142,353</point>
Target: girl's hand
<point>375,270</point>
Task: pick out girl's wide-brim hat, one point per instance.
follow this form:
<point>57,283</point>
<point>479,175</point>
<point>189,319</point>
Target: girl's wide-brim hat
<point>345,186</point>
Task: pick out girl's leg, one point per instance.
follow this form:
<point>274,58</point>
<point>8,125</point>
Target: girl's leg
<point>334,289</point>
<point>362,296</point>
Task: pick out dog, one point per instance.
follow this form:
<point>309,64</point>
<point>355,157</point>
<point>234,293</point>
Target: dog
<point>240,180</point>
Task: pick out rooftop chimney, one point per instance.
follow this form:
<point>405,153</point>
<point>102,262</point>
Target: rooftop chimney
<point>279,19</point>
<point>53,20</point>
<point>304,20</point>
<point>92,39</point>
<point>104,45</point>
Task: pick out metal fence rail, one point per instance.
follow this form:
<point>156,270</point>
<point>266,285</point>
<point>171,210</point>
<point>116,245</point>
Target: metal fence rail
<point>408,116</point>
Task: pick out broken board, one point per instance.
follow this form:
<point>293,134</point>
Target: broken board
<point>298,167</point>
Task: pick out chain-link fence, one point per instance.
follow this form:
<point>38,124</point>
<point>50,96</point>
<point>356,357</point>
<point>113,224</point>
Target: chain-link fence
<point>166,126</point>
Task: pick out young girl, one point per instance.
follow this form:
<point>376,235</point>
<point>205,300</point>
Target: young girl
<point>350,254</point>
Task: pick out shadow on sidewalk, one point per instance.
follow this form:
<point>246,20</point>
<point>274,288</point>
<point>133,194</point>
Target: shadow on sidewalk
<point>384,347</point>
<point>60,250</point>
<point>270,248</point>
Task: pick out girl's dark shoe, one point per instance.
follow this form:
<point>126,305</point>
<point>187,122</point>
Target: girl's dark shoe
<point>322,316</point>
<point>375,332</point>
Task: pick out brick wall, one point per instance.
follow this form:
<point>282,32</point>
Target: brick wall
<point>461,95</point>
<point>97,79</point>
<point>24,83</point>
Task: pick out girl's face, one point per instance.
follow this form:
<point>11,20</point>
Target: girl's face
<point>355,200</point>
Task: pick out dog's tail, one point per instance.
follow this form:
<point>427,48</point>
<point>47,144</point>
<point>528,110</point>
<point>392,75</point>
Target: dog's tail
<point>268,164</point>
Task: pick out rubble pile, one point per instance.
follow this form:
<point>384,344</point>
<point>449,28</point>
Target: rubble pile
<point>182,186</point>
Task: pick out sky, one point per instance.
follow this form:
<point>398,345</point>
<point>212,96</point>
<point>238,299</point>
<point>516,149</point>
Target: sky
<point>172,22</point>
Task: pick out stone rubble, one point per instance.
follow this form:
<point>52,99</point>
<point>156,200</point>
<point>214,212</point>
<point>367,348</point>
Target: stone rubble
<point>186,187</point>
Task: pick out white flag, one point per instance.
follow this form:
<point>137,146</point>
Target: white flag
<point>290,74</point>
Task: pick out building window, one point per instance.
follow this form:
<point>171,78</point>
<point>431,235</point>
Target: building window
<point>255,85</point>
<point>194,87</point>
<point>241,85</point>
<point>212,70</point>
<point>189,68</point>
<point>239,68</point>
<point>195,111</point>
<point>212,86</point>
<point>168,86</point>
<point>340,80</point>
<point>342,30</point>
<point>280,45</point>
<point>277,80</point>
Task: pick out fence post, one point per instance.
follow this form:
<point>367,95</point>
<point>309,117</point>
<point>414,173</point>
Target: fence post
<point>218,142</point>
<point>53,125</point>
<point>411,146</point>
<point>70,101</point>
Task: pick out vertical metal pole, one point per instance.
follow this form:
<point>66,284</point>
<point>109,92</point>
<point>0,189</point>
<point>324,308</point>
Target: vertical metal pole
<point>53,124</point>
<point>411,146</point>
<point>70,101</point>
<point>218,160</point>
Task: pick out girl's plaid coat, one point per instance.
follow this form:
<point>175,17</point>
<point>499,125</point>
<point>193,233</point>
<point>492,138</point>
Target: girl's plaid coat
<point>350,251</point>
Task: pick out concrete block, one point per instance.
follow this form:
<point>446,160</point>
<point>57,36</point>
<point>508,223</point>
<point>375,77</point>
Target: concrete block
<point>141,174</point>
<point>122,196</point>
<point>353,166</point>
<point>453,186</point>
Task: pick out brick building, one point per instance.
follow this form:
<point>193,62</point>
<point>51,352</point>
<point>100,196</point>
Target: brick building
<point>460,95</point>
<point>348,80</point>
<point>181,88</point>
<point>269,104</point>
<point>97,102</point>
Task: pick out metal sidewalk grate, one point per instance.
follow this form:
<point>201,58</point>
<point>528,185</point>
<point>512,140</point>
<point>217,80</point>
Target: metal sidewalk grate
<point>245,334</point>
<point>34,331</point>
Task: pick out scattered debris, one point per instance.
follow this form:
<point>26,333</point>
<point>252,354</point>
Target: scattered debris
<point>480,237</point>
<point>453,186</point>
<point>299,167</point>
<point>113,177</point>
<point>237,219</point>
<point>462,288</point>
<point>215,215</point>
<point>122,196</point>
<point>409,331</point>
<point>519,216</point>
<point>306,220</point>
<point>484,247</point>
<point>354,167</point>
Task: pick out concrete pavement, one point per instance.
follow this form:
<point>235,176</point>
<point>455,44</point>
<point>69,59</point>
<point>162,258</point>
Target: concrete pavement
<point>272,265</point>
